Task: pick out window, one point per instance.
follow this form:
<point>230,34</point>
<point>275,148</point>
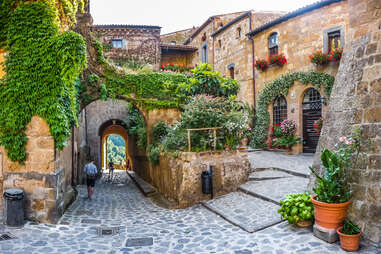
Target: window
<point>204,53</point>
<point>231,72</point>
<point>273,44</point>
<point>219,43</point>
<point>238,32</point>
<point>221,24</point>
<point>334,40</point>
<point>173,42</point>
<point>117,44</point>
<point>279,109</point>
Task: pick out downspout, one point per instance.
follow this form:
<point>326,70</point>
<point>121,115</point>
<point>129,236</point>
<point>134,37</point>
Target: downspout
<point>253,59</point>
<point>213,43</point>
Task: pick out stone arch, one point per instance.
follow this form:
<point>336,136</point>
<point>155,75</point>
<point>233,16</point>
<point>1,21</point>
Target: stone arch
<point>90,122</point>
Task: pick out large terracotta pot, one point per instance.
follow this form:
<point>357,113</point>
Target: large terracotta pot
<point>349,242</point>
<point>329,215</point>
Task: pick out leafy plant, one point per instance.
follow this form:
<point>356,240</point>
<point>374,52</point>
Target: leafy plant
<point>296,208</point>
<point>103,92</point>
<point>282,86</point>
<point>261,64</point>
<point>278,59</point>
<point>350,228</point>
<point>159,131</point>
<point>333,187</point>
<point>335,54</point>
<point>318,125</point>
<point>231,141</point>
<point>136,126</point>
<point>154,155</point>
<point>319,58</point>
<point>287,141</point>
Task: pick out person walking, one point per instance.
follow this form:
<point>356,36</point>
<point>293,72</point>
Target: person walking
<point>111,170</point>
<point>91,175</point>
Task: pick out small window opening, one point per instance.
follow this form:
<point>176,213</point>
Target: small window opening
<point>273,44</point>
<point>117,44</point>
<point>231,72</point>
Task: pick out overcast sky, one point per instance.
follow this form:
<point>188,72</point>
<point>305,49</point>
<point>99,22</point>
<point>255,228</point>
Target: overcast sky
<point>174,15</point>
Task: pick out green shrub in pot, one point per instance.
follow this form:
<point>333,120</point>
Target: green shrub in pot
<point>296,208</point>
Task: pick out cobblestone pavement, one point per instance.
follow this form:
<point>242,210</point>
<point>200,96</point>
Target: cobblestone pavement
<point>293,163</point>
<point>192,230</point>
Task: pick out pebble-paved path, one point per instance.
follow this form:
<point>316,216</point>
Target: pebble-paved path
<point>192,230</point>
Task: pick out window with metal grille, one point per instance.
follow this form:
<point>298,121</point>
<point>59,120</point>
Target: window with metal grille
<point>117,44</point>
<point>273,44</point>
<point>279,109</point>
<point>311,99</point>
<point>334,40</point>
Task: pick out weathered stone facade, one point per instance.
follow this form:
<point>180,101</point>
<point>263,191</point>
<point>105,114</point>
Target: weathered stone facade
<point>178,37</point>
<point>356,101</point>
<point>179,179</point>
<point>137,43</point>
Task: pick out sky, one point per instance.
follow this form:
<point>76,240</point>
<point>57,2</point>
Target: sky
<point>174,15</point>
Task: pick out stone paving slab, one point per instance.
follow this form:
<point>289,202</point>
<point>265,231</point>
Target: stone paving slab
<point>267,175</point>
<point>275,190</point>
<point>249,213</point>
<point>297,164</point>
<point>145,187</point>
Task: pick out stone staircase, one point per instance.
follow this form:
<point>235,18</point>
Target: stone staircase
<point>254,206</point>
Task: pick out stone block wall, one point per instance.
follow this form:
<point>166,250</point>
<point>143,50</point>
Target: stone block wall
<point>43,177</point>
<point>298,38</point>
<point>179,36</point>
<point>179,179</point>
<point>356,101</point>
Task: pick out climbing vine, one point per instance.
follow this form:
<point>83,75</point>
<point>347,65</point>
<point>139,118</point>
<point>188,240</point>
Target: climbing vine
<point>282,86</point>
<point>41,70</point>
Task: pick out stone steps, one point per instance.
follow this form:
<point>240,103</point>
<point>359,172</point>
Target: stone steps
<point>143,186</point>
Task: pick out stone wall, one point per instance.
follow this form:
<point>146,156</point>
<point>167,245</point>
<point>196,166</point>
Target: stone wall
<point>179,36</point>
<point>356,101</point>
<point>140,43</point>
<point>44,175</point>
<point>179,179</point>
<point>298,38</point>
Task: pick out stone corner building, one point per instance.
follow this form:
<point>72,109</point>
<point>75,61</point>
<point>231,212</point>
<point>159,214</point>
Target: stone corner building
<point>356,101</point>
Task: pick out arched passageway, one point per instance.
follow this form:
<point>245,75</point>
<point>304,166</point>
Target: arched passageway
<point>114,127</point>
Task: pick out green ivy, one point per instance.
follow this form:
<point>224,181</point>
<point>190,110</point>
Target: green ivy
<point>279,86</point>
<point>41,67</point>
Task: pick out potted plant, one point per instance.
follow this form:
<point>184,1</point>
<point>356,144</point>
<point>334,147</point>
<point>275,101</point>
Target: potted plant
<point>230,142</point>
<point>332,193</point>
<point>285,134</point>
<point>349,235</point>
<point>297,209</point>
<point>318,124</point>
<point>335,54</point>
<point>261,64</point>
<point>277,59</point>
<point>319,58</point>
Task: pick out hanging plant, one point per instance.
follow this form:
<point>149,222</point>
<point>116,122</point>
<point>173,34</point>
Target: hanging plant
<point>278,59</point>
<point>319,58</point>
<point>318,124</point>
<point>261,64</point>
<point>335,55</point>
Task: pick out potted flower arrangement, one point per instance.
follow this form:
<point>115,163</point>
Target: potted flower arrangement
<point>318,124</point>
<point>335,54</point>
<point>277,59</point>
<point>297,209</point>
<point>319,58</point>
<point>332,193</point>
<point>349,235</point>
<point>287,137</point>
<point>261,64</point>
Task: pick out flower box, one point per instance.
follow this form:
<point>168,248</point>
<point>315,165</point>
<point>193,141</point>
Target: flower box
<point>277,60</point>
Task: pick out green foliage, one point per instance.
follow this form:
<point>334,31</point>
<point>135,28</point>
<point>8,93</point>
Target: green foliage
<point>282,86</point>
<point>103,92</point>
<point>136,126</point>
<point>93,78</point>
<point>296,208</point>
<point>41,67</point>
<point>350,228</point>
<point>154,154</point>
<point>206,81</point>
<point>99,48</point>
<point>116,149</point>
<point>159,131</point>
<point>288,140</point>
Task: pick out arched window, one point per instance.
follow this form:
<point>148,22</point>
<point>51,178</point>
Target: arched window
<point>219,43</point>
<point>273,44</point>
<point>231,72</point>
<point>311,99</point>
<point>279,109</point>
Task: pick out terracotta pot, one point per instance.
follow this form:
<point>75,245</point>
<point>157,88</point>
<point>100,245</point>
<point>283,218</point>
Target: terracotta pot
<point>244,141</point>
<point>227,147</point>
<point>349,242</point>
<point>304,223</point>
<point>329,215</point>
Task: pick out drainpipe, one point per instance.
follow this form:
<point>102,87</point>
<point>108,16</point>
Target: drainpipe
<point>253,59</point>
<point>213,20</point>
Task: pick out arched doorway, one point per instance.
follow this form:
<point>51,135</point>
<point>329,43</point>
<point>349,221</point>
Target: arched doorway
<point>312,111</point>
<point>108,129</point>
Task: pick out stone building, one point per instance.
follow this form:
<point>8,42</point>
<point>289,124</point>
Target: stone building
<point>356,101</point>
<point>135,43</point>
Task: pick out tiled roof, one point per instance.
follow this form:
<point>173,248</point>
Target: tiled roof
<point>232,22</point>
<point>126,26</point>
<point>293,14</point>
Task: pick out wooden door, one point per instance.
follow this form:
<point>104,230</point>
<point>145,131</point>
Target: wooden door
<point>311,112</point>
